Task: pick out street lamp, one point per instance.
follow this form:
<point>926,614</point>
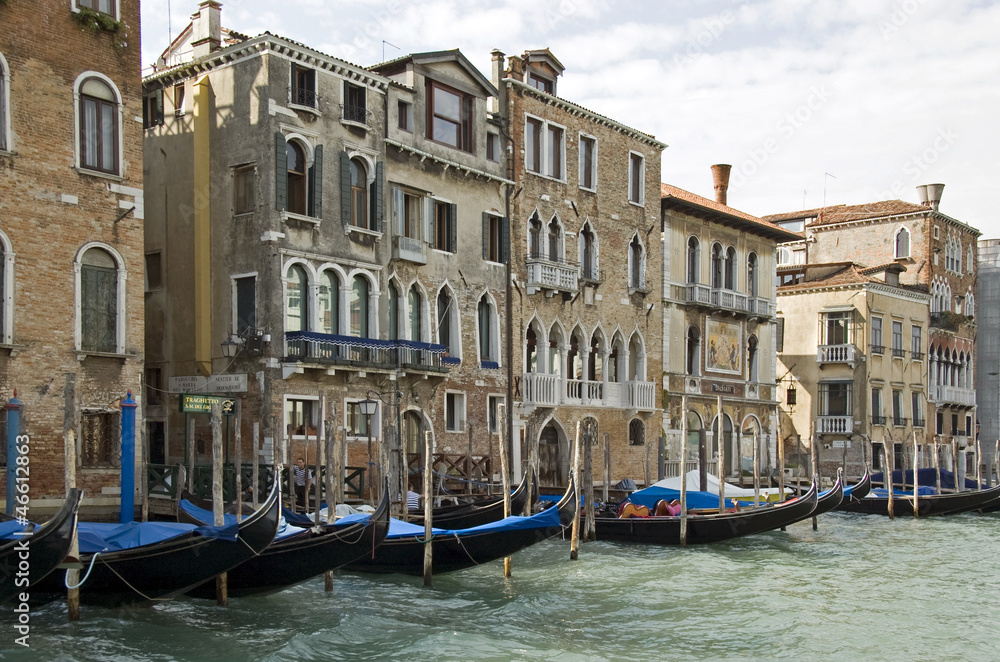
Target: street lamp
<point>230,347</point>
<point>368,407</point>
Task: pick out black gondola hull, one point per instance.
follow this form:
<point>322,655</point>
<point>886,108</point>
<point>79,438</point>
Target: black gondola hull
<point>484,511</point>
<point>931,504</point>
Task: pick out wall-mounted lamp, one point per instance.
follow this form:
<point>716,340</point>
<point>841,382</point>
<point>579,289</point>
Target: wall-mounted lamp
<point>229,347</point>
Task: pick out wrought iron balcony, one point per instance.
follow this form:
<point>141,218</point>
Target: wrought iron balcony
<point>878,420</point>
<point>917,356</point>
<point>354,113</point>
<point>878,349</point>
<point>364,353</point>
<point>302,96</point>
<point>898,422</point>
<point>898,353</point>
<point>919,422</point>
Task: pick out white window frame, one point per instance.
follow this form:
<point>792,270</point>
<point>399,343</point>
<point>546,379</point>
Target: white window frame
<point>78,165</point>
<point>494,321</point>
<point>895,243</point>
<point>291,86</point>
<point>641,202</point>
<point>593,175</point>
<point>6,145</point>
<point>232,281</point>
<point>493,401</point>
<point>284,414</point>
<point>460,411</point>
<point>376,423</point>
<point>73,4</point>
<point>78,304</point>
<point>7,300</point>
<point>543,142</point>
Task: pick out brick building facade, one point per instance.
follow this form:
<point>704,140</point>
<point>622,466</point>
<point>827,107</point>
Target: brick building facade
<point>71,233</point>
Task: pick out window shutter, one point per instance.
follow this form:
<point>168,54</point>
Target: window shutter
<point>345,189</point>
<point>379,202</point>
<point>779,330</point>
<point>398,211</point>
<point>280,172</point>
<point>486,236</point>
<point>453,228</point>
<point>432,223</point>
<point>317,182</point>
<point>505,240</point>
<point>159,108</point>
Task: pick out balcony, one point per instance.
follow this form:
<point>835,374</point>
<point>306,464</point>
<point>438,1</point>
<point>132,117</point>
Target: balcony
<point>409,249</point>
<point>326,349</point>
<point>302,96</point>
<point>919,422</point>
<point>699,293</point>
<point>591,276</point>
<point>728,300</point>
<point>543,390</point>
<point>836,354</point>
<point>898,422</point>
<point>553,275</point>
<point>952,395</point>
<point>917,356</point>
<point>898,353</point>
<point>834,424</point>
<point>878,349</point>
<point>356,114</point>
<point>878,420</point>
<point>760,307</point>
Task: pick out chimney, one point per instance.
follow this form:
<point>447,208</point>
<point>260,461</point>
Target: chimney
<point>720,179</point>
<point>922,194</point>
<point>206,28</point>
<point>933,195</point>
<point>498,61</point>
<point>515,68</point>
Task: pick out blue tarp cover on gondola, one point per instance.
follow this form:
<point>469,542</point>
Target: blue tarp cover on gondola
<point>650,495</point>
<point>548,517</point>
<point>10,527</point>
<point>286,528</point>
<point>925,476</point>
<point>884,494</point>
<point>98,537</point>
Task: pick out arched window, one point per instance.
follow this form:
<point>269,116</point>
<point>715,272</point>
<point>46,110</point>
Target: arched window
<point>4,104</point>
<point>329,302</point>
<point>535,237</point>
<point>530,351</point>
<point>297,178</point>
<point>752,359</point>
<point>595,368</point>
<point>636,359</point>
<point>693,362</point>
<point>970,304</point>
<point>636,433</point>
<point>554,235</point>
<point>557,349</point>
<point>394,303</point>
<point>694,260</point>
<point>358,307</point>
<point>359,194</point>
<point>588,252</point>
<point>636,264</point>
<point>487,351</point>
<point>902,243</point>
<point>731,268</point>
<point>752,274</point>
<point>297,300</point>
<point>415,304</point>
<point>99,302</point>
<point>98,129</point>
<point>717,266</point>
<point>444,317</point>
<point>6,289</point>
<point>784,256</point>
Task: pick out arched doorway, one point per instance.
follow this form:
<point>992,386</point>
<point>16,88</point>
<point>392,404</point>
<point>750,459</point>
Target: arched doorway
<point>727,439</point>
<point>550,458</point>
<point>412,428</point>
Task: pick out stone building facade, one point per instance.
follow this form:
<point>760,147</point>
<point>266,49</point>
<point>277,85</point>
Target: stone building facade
<point>988,358</point>
<point>584,238</point>
<point>719,327</point>
<point>939,254</point>
<point>71,234</point>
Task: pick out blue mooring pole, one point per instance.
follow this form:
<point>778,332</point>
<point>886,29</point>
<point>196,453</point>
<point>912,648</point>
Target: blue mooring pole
<point>13,429</point>
<point>128,460</point>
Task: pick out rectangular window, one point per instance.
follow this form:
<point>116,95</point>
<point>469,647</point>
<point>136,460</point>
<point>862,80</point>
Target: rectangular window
<point>897,340</point>
<point>244,189</point>
<point>246,304</point>
<point>533,145</point>
<point>494,239</point>
<point>301,417</point>
<point>153,389</point>
<point>100,439</point>
<point>154,271</point>
<point>449,116</point>
<point>897,409</point>
<point>357,423</point>
<point>917,409</point>
<point>103,6</point>
<point>303,86</point>
<point>877,346</point>
<point>835,399</point>
<point>493,406</point>
<point>355,104</point>
<point>877,417</point>
<point>406,208</point>
<point>540,83</point>
<point>588,162</point>
<point>554,151</point>
<point>404,110</point>
<point>454,404</point>
<point>493,146</point>
<point>152,108</point>
<point>636,178</point>
<point>444,226</point>
<point>837,328</point>
<point>98,135</point>
<point>940,423</point>
<point>179,99</point>
<point>916,340</point>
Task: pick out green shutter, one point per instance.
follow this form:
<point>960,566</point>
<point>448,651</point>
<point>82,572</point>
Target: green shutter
<point>432,234</point>
<point>379,203</point>
<point>453,228</point>
<point>345,189</point>
<point>486,236</point>
<point>505,240</point>
<point>280,172</point>
<point>317,182</point>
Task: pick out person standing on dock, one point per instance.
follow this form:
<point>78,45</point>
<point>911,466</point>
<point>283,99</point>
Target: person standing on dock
<point>303,481</point>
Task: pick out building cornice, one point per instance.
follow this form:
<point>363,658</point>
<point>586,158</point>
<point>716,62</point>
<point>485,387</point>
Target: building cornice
<point>446,162</point>
<point>895,217</point>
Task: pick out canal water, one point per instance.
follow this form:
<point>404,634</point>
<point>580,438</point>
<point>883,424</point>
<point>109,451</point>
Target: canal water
<point>858,588</point>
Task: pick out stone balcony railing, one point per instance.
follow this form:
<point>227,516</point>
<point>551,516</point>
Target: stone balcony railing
<point>836,354</point>
<point>834,424</point>
<point>965,397</point>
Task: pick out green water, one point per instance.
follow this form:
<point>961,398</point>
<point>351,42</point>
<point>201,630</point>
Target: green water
<point>859,588</point>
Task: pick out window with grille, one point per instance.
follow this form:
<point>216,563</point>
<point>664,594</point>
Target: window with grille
<point>100,439</point>
<point>636,433</point>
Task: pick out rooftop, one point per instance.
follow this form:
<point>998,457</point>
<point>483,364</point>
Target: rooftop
<point>672,196</point>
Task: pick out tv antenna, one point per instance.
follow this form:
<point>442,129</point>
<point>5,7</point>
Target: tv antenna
<point>384,42</point>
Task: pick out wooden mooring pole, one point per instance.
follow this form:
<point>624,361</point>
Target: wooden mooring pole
<point>574,545</point>
<point>889,461</point>
<point>256,463</point>
<point>589,526</point>
<point>756,468</point>
<point>218,514</point>
<point>238,458</point>
<point>720,467</point>
<point>684,475</point>
<point>504,473</point>
<point>916,479</point>
<point>428,508</point>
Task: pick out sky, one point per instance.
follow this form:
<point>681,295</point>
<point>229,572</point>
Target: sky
<point>812,103</point>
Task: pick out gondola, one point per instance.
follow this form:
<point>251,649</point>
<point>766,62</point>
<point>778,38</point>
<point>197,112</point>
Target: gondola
<point>456,549</point>
<point>831,498</point>
<point>162,559</point>
<point>299,554</point>
<point>47,547</point>
<point>951,503</point>
<point>706,528</point>
<point>482,511</point>
<point>859,490</point>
